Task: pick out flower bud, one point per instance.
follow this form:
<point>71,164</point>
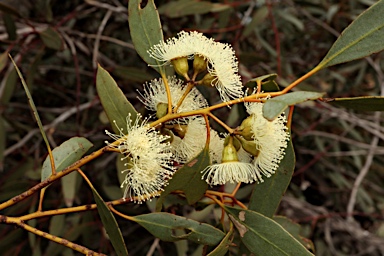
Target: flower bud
<point>199,64</point>
<point>232,140</point>
<point>181,66</point>
<point>169,133</point>
<point>229,154</point>
<point>180,130</point>
<point>207,80</point>
<point>245,129</point>
<point>249,146</point>
<point>161,110</point>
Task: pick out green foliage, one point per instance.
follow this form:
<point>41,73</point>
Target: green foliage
<point>110,225</point>
<point>362,38</point>
<point>266,196</point>
<point>163,225</point>
<point>188,179</point>
<point>145,29</point>
<point>294,229</point>
<point>224,245</point>
<point>365,103</point>
<point>263,236</point>
<point>275,106</point>
<point>66,154</point>
<point>115,104</point>
<point>32,105</point>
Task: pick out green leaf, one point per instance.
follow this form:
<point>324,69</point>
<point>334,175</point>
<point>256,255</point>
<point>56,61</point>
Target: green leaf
<point>224,245</point>
<point>294,229</point>
<point>145,29</point>
<point>115,104</point>
<point>32,105</point>
<point>263,236</point>
<point>275,106</point>
<point>66,154</point>
<point>268,83</point>
<point>266,196</point>
<point>52,39</point>
<point>364,36</point>
<point>132,74</point>
<point>365,103</point>
<point>188,179</point>
<point>163,225</point>
<point>176,9</point>
<point>110,225</point>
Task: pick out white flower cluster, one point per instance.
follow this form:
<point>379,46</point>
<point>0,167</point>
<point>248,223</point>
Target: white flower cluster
<point>221,59</point>
<point>254,150</point>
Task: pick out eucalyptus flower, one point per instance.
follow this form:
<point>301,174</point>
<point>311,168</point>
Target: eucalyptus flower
<point>147,157</point>
<point>221,62</point>
<point>270,138</point>
<point>230,169</point>
<point>154,95</point>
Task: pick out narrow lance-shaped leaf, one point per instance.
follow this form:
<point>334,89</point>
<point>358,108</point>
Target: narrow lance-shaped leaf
<point>263,236</point>
<point>266,196</point>
<point>162,225</point>
<point>114,102</point>
<point>188,179</point>
<point>33,107</point>
<point>224,245</point>
<point>110,225</point>
<point>365,103</point>
<point>275,106</point>
<point>66,154</point>
<point>145,29</point>
<point>361,38</point>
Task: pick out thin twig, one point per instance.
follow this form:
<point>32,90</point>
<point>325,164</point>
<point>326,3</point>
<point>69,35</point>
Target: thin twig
<point>98,35</point>
<point>153,247</point>
<point>53,238</point>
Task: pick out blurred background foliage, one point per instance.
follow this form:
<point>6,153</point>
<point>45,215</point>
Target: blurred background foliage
<point>57,45</point>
